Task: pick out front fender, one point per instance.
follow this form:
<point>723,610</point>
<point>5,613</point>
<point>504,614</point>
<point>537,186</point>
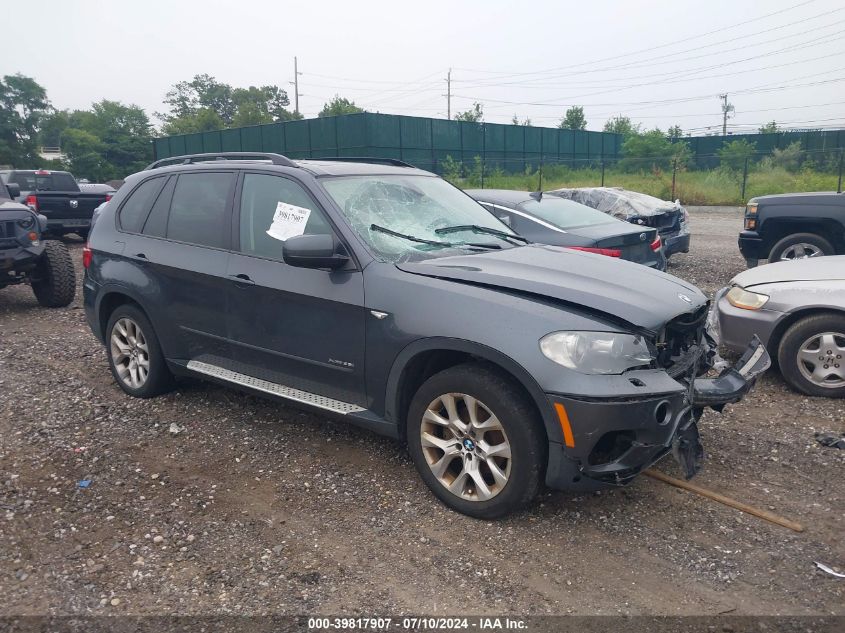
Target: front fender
<point>403,360</point>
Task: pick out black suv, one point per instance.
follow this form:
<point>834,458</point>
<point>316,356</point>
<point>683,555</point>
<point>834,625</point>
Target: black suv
<point>382,294</point>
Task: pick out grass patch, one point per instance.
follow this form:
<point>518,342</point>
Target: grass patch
<point>695,187</point>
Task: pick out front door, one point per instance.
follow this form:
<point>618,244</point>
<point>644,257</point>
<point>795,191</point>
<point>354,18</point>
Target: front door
<point>295,327</point>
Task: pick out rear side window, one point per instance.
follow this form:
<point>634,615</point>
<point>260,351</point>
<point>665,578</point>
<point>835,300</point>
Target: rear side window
<point>134,210</point>
<point>198,210</point>
<point>156,224</point>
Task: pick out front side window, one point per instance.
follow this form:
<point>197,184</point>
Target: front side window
<point>428,213</point>
<point>198,210</point>
<point>273,209</point>
<point>134,210</point>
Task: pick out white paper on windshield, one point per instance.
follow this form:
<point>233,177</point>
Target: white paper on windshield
<point>288,221</point>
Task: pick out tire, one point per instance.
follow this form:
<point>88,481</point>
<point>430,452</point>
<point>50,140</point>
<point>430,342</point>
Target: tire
<point>54,281</point>
<point>139,343</point>
<point>789,248</point>
<point>802,355</point>
<point>459,464</point>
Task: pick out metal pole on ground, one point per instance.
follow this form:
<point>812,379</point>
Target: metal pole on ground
<point>540,184</point>
<point>602,173</point>
<point>674,172</point>
<point>839,186</point>
<point>744,180</point>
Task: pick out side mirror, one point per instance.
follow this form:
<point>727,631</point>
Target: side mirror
<point>313,251</point>
<point>14,190</point>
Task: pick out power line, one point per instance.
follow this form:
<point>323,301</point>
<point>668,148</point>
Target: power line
<point>536,85</point>
<point>644,50</point>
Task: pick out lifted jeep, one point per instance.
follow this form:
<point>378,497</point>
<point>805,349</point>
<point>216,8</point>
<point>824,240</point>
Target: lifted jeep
<point>26,258</point>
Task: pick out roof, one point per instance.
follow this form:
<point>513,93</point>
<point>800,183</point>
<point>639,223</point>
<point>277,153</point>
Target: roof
<point>341,166</point>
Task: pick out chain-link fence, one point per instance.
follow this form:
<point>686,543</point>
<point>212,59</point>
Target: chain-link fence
<point>715,179</point>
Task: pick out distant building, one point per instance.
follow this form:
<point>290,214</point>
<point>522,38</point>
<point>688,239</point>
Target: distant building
<point>51,153</point>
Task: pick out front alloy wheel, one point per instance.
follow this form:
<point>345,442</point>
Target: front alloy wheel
<point>465,447</point>
<point>820,359</point>
<point>477,440</point>
<point>130,353</point>
<point>811,355</point>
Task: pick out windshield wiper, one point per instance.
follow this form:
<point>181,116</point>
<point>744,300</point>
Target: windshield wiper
<point>412,238</point>
<point>480,229</point>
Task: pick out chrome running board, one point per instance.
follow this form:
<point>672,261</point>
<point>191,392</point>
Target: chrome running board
<point>274,389</point>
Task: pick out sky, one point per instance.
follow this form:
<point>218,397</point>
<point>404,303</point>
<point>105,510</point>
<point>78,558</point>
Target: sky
<point>660,62</point>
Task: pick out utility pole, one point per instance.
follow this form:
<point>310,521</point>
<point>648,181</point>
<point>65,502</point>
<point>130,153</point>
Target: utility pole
<point>727,108</point>
<point>295,83</point>
<point>449,95</point>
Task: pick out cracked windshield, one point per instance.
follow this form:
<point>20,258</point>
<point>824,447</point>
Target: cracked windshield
<point>405,218</point>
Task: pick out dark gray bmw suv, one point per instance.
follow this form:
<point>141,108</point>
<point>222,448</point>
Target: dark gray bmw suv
<point>382,294</point>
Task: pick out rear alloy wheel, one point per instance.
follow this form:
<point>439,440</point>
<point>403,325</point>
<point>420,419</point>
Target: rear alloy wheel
<point>476,441</point>
<point>54,279</point>
<point>812,355</point>
<point>135,357</point>
<point>800,246</point>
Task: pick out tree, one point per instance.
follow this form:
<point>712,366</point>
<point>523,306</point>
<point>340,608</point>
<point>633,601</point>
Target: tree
<point>734,154</point>
<point>23,103</point>
<point>338,106</point>
<point>621,125</point>
<point>474,115</point>
<point>652,150</point>
<point>84,153</point>
<point>573,119</point>
<point>232,106</point>
<point>526,122</point>
<point>203,120</point>
<point>769,128</point>
<point>675,132</point>
<point>789,157</point>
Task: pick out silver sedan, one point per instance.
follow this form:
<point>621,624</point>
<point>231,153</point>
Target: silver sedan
<point>797,309</point>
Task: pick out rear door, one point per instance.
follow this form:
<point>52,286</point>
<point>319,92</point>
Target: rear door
<point>182,248</point>
<point>297,327</point>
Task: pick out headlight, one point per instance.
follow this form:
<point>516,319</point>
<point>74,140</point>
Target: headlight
<point>751,208</point>
<point>739,297</point>
<point>596,352</point>
<point>26,223</point>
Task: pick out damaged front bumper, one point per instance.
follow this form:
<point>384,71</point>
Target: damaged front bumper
<point>612,440</point>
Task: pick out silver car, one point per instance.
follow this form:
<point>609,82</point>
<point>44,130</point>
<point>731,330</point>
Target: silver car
<point>797,309</point>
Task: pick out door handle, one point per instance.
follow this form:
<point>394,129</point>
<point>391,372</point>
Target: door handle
<point>242,279</point>
<point>140,256</point>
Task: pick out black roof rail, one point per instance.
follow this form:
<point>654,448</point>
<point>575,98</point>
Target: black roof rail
<point>366,159</point>
<point>187,159</point>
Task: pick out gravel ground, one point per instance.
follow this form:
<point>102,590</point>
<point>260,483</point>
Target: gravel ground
<point>259,508</point>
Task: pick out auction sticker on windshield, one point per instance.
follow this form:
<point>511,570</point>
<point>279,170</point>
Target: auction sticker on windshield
<point>288,221</point>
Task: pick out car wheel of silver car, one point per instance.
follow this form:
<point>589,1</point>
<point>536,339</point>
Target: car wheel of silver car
<point>800,246</point>
<point>475,441</point>
<point>812,355</point>
<point>135,357</point>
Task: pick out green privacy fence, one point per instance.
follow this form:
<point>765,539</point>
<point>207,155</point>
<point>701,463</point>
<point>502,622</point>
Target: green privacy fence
<point>705,148</point>
<point>420,141</point>
<point>427,142</point>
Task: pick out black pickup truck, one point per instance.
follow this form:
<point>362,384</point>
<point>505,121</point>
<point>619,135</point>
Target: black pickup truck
<point>793,226</point>
<point>56,195</point>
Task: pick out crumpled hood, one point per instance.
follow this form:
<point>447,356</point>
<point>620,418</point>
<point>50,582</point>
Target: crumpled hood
<point>622,290</point>
<point>810,269</point>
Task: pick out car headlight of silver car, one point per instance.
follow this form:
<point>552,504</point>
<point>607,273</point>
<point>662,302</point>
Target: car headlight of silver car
<point>739,297</point>
<point>596,352</point>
